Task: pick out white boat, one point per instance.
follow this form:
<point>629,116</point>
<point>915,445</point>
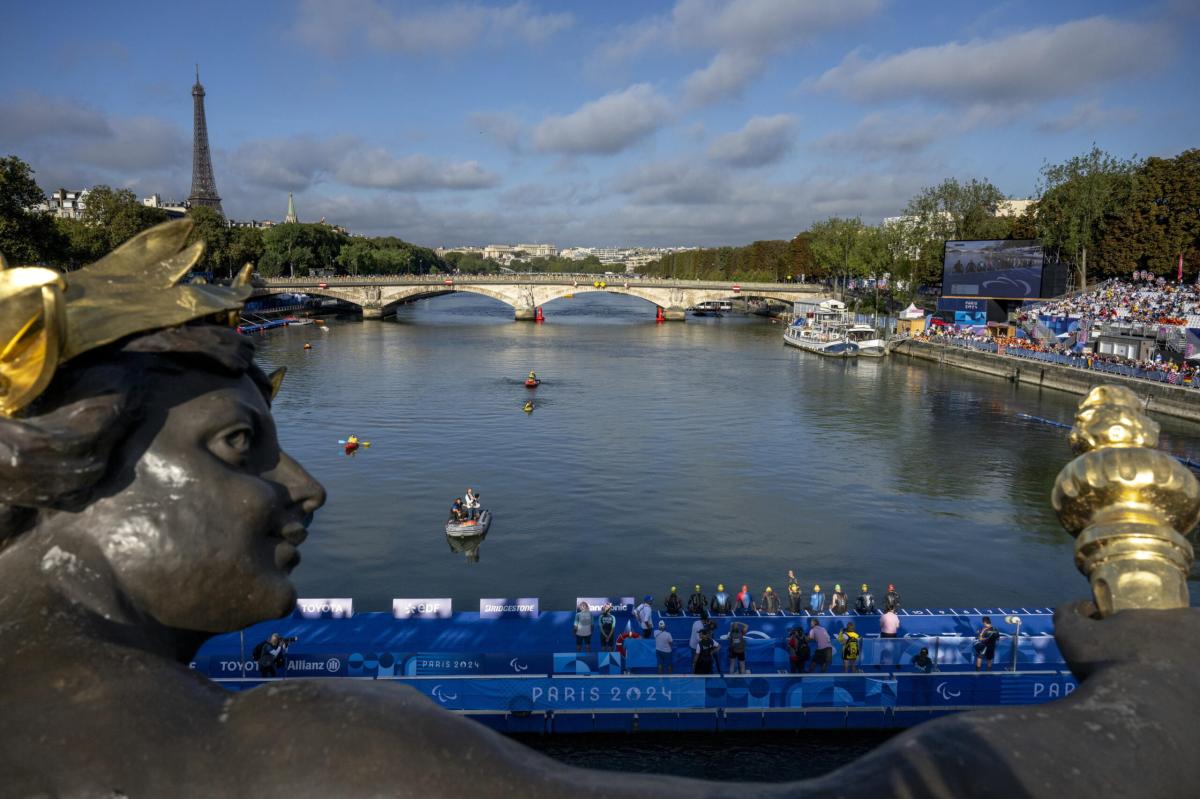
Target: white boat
<point>806,338</point>
<point>870,345</point>
<point>470,528</point>
<point>822,329</point>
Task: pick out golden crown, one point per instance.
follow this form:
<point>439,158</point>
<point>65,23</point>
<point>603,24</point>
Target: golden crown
<point>48,318</point>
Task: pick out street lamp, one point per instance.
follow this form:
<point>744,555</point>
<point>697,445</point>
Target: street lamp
<point>1015,620</point>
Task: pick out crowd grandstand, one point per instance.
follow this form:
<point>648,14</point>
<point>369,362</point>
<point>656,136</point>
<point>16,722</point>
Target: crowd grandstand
<point>1145,299</point>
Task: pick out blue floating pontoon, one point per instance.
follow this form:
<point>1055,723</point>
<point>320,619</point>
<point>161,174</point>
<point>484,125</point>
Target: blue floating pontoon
<point>523,675</point>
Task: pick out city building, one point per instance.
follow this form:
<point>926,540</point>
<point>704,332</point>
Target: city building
<point>174,208</point>
<point>290,218</point>
<point>65,204</point>
<point>538,250</point>
<point>1014,207</point>
<point>258,223</point>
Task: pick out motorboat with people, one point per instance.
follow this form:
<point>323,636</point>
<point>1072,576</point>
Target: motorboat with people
<point>870,345</point>
<point>712,308</point>
<point>464,528</point>
<point>823,330</point>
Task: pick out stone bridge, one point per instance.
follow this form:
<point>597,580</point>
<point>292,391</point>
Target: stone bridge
<point>378,296</point>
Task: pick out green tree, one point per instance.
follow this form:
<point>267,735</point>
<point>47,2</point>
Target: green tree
<point>949,210</point>
<point>837,246</point>
<point>80,243</point>
<point>294,249</point>
<point>211,228</point>
<point>1159,223</point>
<point>800,257</point>
<point>118,215</point>
<point>1077,198</point>
<point>245,246</point>
<point>27,236</point>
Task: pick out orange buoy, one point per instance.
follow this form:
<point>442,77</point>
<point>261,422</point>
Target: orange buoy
<point>659,316</point>
<point>538,316</point>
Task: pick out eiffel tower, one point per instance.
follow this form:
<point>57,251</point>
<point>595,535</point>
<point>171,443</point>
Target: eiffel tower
<point>204,186</point>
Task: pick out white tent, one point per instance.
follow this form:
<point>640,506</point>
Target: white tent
<point>912,312</point>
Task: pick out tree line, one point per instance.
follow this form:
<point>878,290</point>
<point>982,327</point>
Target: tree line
<point>1105,216</point>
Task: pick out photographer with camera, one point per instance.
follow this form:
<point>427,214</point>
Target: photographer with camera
<point>271,654</point>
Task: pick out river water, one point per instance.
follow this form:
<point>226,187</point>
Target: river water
<point>662,455</point>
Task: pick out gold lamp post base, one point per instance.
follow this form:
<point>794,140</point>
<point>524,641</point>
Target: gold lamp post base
<point>1130,507</point>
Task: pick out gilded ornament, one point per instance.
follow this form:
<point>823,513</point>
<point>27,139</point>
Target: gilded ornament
<point>1130,506</point>
<point>47,318</point>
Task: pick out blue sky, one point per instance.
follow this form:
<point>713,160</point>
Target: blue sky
<point>698,122</point>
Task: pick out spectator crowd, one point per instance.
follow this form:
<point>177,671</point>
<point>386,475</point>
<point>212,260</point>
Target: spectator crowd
<point>1145,300</point>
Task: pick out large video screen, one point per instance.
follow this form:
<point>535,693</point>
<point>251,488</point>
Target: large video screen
<point>1004,270</point>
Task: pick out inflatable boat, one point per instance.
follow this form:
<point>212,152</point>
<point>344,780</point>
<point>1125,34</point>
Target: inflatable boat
<point>470,528</point>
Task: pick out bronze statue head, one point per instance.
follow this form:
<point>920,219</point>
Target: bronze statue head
<point>155,460</point>
<point>139,455</point>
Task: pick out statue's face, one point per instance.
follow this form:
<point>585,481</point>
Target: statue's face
<point>202,523</point>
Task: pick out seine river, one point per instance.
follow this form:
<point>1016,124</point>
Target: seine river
<point>662,455</point>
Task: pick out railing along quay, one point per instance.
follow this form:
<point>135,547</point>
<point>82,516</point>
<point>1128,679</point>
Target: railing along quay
<point>1072,361</point>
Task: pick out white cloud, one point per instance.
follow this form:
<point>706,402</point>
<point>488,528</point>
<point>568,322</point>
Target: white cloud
<point>743,33</point>
<point>725,77</point>
<point>73,145</point>
<point>1032,65</point>
<point>378,169</point>
<point>292,163</point>
<point>295,163</point>
<point>679,182</point>
<point>906,132</point>
<point>33,117</point>
<point>763,140</point>
<point>605,126</point>
<point>762,25</point>
<point>441,28</point>
<point>879,135</point>
<point>1090,116</point>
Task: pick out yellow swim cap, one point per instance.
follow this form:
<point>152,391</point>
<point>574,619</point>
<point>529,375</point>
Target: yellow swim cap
<point>720,586</point>
<point>816,588</point>
<point>768,589</point>
<point>672,589</point>
<point>697,589</point>
<point>837,587</point>
<point>864,587</point>
<point>793,587</point>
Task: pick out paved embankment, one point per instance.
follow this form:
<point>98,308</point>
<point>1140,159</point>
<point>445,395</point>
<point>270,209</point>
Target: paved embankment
<point>1159,397</point>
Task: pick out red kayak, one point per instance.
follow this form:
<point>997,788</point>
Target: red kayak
<point>532,383</point>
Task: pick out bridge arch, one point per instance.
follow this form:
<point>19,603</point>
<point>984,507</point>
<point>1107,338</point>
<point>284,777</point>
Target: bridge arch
<point>378,296</point>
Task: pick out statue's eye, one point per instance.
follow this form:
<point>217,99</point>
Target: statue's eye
<point>239,440</point>
<point>233,445</point>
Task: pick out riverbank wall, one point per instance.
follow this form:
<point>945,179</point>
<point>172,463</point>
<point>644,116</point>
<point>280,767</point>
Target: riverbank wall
<point>1161,398</point>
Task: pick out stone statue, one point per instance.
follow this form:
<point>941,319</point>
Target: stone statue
<point>145,505</point>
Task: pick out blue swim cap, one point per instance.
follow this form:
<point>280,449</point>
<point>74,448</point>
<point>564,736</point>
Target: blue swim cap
<point>648,598</point>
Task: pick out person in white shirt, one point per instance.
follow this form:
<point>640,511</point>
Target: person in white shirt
<point>471,503</point>
<point>645,613</point>
<point>662,648</point>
